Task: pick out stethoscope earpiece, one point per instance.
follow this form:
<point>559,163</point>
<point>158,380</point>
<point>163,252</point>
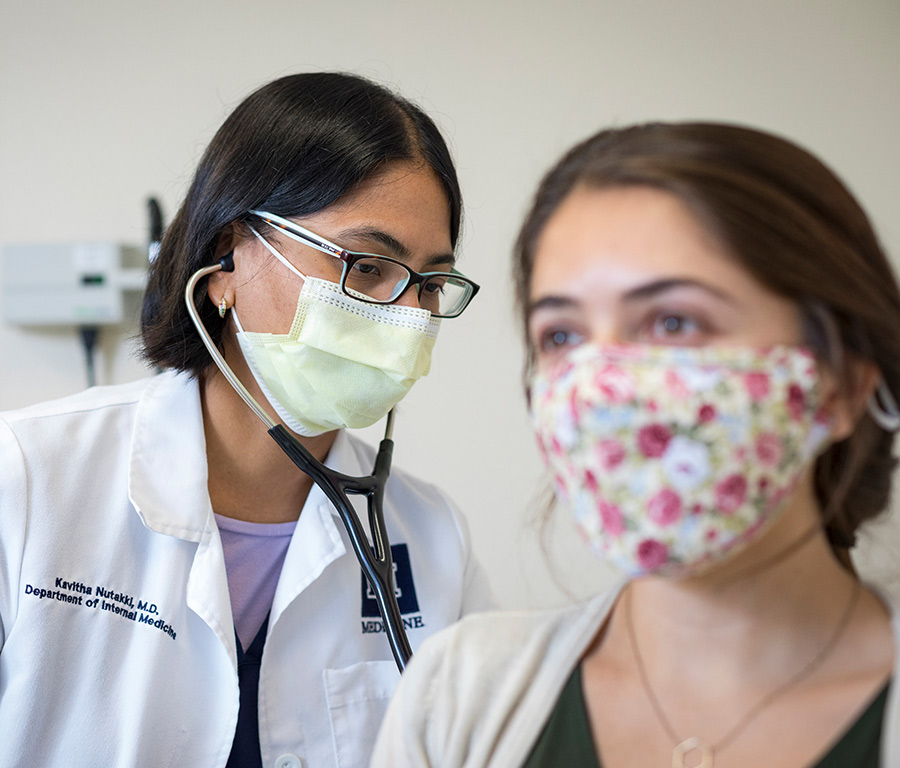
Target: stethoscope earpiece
<point>227,261</point>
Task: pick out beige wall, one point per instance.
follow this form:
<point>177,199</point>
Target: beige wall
<point>104,102</point>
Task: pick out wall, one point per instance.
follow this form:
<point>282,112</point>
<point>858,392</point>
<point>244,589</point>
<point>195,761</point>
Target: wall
<point>103,103</point>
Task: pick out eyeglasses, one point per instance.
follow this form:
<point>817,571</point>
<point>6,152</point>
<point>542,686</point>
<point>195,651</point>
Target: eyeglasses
<point>381,279</point>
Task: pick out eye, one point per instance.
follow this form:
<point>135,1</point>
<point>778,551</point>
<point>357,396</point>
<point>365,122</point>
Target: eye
<point>675,326</point>
<point>367,268</point>
<point>556,339</point>
<point>434,287</point>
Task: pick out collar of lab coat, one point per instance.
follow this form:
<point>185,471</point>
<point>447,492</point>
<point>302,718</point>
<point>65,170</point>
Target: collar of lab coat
<point>168,473</point>
<point>167,485</point>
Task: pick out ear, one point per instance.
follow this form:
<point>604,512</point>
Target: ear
<point>846,397</point>
<point>220,285</point>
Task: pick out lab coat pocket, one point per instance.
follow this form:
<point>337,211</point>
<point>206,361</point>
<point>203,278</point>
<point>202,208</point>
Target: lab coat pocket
<point>357,700</point>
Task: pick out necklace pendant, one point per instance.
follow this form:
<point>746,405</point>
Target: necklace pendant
<point>692,749</point>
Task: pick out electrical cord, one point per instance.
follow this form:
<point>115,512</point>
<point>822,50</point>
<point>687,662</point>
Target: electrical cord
<point>89,335</point>
<point>156,228</point>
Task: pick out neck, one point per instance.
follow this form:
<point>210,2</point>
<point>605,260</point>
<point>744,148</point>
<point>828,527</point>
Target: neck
<point>787,587</point>
<point>250,477</point>
<point>731,654</point>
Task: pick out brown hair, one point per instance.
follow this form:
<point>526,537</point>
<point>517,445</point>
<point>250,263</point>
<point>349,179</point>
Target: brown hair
<point>791,223</point>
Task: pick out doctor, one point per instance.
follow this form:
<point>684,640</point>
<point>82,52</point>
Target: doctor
<point>173,591</point>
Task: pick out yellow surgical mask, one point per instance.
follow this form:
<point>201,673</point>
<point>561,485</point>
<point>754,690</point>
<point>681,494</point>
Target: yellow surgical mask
<point>344,362</point>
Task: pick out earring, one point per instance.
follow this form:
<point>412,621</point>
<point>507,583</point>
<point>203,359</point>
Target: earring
<point>223,307</point>
<point>883,408</point>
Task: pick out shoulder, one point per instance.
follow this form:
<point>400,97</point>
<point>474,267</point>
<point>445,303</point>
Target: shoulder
<point>52,427</point>
<point>497,644</point>
<point>481,689</point>
<point>890,596</point>
<point>73,406</point>
<point>102,417</point>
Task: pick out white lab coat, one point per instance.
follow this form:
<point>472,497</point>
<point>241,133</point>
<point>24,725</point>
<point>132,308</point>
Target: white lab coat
<point>117,643</point>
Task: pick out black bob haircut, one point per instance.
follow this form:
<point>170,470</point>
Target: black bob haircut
<point>293,147</point>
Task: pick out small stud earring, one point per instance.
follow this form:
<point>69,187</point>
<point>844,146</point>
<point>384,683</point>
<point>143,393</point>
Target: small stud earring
<point>223,307</point>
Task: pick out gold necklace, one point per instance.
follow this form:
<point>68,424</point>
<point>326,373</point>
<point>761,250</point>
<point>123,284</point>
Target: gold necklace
<point>705,750</point>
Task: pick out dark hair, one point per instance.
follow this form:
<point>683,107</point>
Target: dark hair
<point>293,147</point>
<point>791,223</point>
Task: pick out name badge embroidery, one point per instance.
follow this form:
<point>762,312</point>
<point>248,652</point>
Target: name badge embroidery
<point>100,598</point>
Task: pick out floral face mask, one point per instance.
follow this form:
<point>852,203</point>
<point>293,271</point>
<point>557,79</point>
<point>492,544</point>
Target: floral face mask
<point>671,458</point>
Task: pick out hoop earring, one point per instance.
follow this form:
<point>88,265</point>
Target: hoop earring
<point>883,408</point>
<point>223,307</point>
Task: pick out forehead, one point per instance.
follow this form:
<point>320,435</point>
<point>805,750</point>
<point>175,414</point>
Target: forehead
<point>404,193</point>
<point>614,238</point>
<point>402,211</point>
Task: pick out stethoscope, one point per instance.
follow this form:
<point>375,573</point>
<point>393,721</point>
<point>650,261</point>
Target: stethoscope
<point>375,561</point>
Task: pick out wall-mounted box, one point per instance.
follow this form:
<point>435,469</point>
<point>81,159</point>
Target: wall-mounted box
<point>69,283</point>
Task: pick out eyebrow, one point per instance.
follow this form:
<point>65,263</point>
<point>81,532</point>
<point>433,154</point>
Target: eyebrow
<point>661,286</point>
<point>550,302</point>
<point>397,249</point>
<point>642,292</point>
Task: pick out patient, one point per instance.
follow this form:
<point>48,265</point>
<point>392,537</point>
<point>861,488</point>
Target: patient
<point>712,342</point>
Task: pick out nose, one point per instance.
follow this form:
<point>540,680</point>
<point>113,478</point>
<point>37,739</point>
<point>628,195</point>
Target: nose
<point>604,331</point>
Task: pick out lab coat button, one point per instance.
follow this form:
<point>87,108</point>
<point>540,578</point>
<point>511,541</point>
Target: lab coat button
<point>288,761</point>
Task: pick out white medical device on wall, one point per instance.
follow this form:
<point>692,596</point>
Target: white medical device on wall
<point>69,284</point>
<point>81,285</point>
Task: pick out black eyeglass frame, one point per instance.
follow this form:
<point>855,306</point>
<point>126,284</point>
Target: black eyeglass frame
<point>349,258</point>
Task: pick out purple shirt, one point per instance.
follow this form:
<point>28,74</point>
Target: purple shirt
<point>254,554</point>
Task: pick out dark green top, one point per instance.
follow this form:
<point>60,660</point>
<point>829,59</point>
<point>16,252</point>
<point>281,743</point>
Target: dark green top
<point>567,740</point>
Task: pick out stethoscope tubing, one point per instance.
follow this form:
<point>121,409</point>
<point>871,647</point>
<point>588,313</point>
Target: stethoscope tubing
<point>375,561</point>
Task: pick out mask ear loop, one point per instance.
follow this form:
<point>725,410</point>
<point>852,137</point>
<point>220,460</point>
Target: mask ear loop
<point>277,255</point>
<point>883,408</point>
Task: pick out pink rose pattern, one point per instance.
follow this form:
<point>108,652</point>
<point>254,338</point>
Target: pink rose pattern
<point>616,384</point>
<point>653,440</point>
<point>757,383</point>
<point>665,507</point>
<point>611,518</point>
<point>755,416</point>
<point>652,555</point>
<point>768,449</point>
<point>796,402</point>
<point>610,453</point>
<point>731,494</point>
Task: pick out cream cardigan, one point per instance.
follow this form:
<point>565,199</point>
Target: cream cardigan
<point>478,694</point>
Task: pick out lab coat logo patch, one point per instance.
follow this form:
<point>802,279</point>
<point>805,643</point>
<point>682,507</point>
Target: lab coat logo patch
<point>404,589</point>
